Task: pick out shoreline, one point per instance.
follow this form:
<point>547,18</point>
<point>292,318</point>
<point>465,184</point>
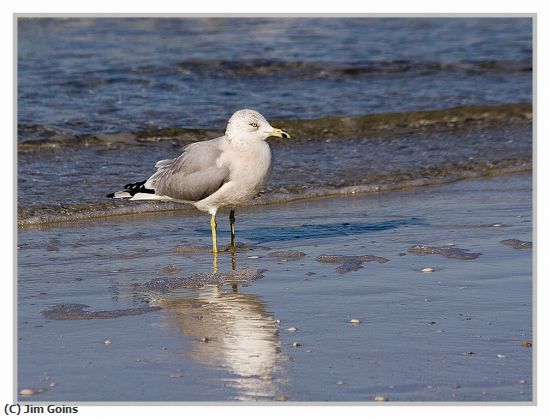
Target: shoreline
<point>76,213</point>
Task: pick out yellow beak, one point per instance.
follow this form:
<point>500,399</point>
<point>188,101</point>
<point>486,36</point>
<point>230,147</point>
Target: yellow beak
<point>278,133</point>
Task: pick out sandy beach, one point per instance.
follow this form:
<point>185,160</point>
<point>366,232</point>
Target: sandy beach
<point>417,295</point>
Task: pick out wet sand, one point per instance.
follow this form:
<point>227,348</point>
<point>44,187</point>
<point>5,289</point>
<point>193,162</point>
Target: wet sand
<point>418,295</point>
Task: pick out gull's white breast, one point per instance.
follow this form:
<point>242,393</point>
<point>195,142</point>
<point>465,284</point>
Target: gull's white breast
<point>249,167</point>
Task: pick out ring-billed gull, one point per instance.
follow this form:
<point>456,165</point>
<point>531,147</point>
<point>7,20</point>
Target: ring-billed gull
<point>224,172</point>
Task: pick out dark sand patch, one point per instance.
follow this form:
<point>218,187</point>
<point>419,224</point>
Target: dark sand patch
<point>170,270</point>
<point>78,312</point>
<point>447,251</point>
<point>130,254</point>
<point>517,244</point>
<point>192,249</point>
<point>242,276</point>
<point>240,247</point>
<point>182,249</point>
<point>287,255</point>
<point>349,263</point>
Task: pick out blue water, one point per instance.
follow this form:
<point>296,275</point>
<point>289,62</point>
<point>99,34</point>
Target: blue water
<point>104,75</point>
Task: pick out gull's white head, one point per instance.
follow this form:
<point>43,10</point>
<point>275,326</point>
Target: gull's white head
<point>248,125</point>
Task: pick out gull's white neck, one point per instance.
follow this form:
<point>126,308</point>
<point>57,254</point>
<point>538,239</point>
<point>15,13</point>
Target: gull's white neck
<point>242,144</point>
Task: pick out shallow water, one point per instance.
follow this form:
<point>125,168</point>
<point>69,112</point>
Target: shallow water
<point>455,334</point>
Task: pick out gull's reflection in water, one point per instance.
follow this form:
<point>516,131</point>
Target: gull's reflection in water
<point>232,330</point>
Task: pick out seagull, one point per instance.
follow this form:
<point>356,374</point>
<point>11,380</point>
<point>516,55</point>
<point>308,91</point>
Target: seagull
<point>227,171</point>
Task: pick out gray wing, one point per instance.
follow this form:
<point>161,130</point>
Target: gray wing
<point>193,175</point>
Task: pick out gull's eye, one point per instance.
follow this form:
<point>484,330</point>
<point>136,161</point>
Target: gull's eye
<point>254,124</point>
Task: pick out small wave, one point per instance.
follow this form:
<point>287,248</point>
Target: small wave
<point>37,138</point>
<point>93,82</point>
<point>63,213</point>
<point>304,69</point>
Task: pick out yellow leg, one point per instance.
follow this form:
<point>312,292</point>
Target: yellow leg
<point>213,225</point>
<point>232,224</point>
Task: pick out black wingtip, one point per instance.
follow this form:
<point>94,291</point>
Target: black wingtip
<point>110,195</point>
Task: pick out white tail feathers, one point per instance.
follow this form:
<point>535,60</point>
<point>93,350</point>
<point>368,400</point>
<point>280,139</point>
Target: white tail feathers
<point>121,194</point>
<point>149,197</point>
